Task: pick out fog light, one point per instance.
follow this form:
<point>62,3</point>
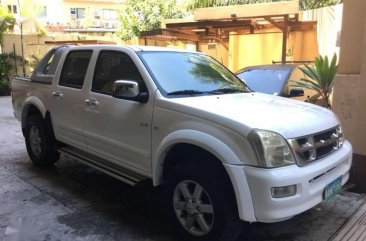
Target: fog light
<point>280,192</point>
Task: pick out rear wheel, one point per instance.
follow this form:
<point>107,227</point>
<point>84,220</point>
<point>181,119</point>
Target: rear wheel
<point>40,142</point>
<point>200,206</point>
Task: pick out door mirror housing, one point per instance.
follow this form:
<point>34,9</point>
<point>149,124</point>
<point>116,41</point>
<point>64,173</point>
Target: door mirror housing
<point>295,92</point>
<point>129,90</point>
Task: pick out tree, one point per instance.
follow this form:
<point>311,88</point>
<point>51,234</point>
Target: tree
<point>7,22</point>
<point>313,4</point>
<point>221,3</point>
<point>320,78</point>
<point>29,11</point>
<point>304,4</point>
<point>145,15</point>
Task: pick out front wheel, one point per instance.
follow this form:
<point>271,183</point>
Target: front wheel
<point>40,143</point>
<point>200,206</point>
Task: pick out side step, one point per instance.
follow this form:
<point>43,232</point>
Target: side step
<point>109,168</point>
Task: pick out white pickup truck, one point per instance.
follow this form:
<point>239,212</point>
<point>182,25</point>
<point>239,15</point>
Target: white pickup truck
<point>223,153</point>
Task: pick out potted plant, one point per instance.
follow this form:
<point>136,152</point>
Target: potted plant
<point>320,78</point>
<point>4,87</point>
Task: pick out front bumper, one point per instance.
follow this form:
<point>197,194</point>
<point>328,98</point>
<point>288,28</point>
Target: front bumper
<point>310,182</point>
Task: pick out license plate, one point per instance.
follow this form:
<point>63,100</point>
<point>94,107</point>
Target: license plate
<point>333,188</point>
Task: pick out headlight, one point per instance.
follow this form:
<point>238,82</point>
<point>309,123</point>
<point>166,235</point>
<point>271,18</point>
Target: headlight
<point>271,149</point>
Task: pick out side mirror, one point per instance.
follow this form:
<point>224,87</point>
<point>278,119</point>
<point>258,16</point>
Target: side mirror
<point>129,90</point>
<point>295,92</point>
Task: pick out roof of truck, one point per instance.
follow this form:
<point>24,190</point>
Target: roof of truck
<point>133,47</point>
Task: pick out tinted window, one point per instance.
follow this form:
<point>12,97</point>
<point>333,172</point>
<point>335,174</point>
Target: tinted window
<point>269,81</point>
<point>74,69</point>
<point>189,72</point>
<point>46,69</point>
<point>112,66</point>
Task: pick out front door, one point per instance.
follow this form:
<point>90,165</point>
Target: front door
<point>115,128</point>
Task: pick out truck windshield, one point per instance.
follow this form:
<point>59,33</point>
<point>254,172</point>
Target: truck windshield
<point>182,73</point>
<point>269,81</point>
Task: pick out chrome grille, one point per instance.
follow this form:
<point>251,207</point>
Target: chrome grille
<point>313,147</point>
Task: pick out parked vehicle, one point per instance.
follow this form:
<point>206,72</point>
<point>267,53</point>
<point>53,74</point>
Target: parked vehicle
<point>276,79</point>
<point>222,153</point>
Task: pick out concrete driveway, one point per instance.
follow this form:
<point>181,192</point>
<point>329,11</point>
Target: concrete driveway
<point>74,202</point>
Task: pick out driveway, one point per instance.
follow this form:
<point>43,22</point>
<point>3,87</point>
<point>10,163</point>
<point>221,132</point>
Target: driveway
<point>74,202</point>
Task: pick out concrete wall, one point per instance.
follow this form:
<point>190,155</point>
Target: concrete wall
<point>349,97</point>
<point>35,45</point>
<point>217,51</point>
<point>352,36</point>
<point>257,49</point>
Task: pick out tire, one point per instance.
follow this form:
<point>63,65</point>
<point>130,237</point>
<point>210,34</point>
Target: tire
<point>40,142</point>
<point>211,216</point>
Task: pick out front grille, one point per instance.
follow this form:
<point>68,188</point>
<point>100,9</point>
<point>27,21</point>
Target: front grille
<point>310,148</point>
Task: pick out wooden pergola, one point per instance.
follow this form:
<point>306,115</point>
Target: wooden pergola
<point>219,22</point>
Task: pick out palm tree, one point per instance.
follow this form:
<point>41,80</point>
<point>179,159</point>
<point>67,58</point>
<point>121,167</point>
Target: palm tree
<point>320,78</point>
<point>313,4</point>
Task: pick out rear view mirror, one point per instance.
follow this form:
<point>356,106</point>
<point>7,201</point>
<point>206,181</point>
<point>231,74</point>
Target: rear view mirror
<point>295,92</point>
<point>129,90</point>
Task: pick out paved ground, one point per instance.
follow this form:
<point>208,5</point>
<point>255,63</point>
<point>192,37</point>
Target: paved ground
<point>355,228</point>
<point>74,202</point>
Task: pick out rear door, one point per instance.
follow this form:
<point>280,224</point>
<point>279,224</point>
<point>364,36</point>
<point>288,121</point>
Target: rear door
<point>69,98</point>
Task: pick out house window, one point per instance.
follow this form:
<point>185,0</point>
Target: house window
<point>80,12</point>
<point>12,9</point>
<point>109,14</point>
<point>43,12</point>
<point>73,12</point>
<point>77,12</point>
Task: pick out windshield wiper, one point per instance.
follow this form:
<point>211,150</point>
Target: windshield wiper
<point>225,91</point>
<point>185,92</point>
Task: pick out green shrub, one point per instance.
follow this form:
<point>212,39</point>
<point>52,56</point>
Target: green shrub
<point>320,78</point>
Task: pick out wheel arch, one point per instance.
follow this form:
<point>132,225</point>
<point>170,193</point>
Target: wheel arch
<point>191,138</point>
<point>223,156</point>
<point>32,105</point>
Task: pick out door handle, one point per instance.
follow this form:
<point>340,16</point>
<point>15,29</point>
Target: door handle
<point>91,101</point>
<point>57,93</point>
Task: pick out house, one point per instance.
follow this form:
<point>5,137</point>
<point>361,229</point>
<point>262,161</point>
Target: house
<point>70,15</point>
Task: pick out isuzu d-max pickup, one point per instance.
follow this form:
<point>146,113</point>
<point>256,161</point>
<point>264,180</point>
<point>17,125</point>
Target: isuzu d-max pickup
<point>222,153</point>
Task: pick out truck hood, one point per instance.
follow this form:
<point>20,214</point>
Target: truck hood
<point>247,111</point>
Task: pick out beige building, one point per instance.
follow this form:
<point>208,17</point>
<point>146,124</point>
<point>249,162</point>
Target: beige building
<point>350,97</point>
<point>69,14</point>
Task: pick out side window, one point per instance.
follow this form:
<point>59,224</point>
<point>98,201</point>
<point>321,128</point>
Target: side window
<point>112,66</point>
<point>46,69</point>
<point>74,69</point>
